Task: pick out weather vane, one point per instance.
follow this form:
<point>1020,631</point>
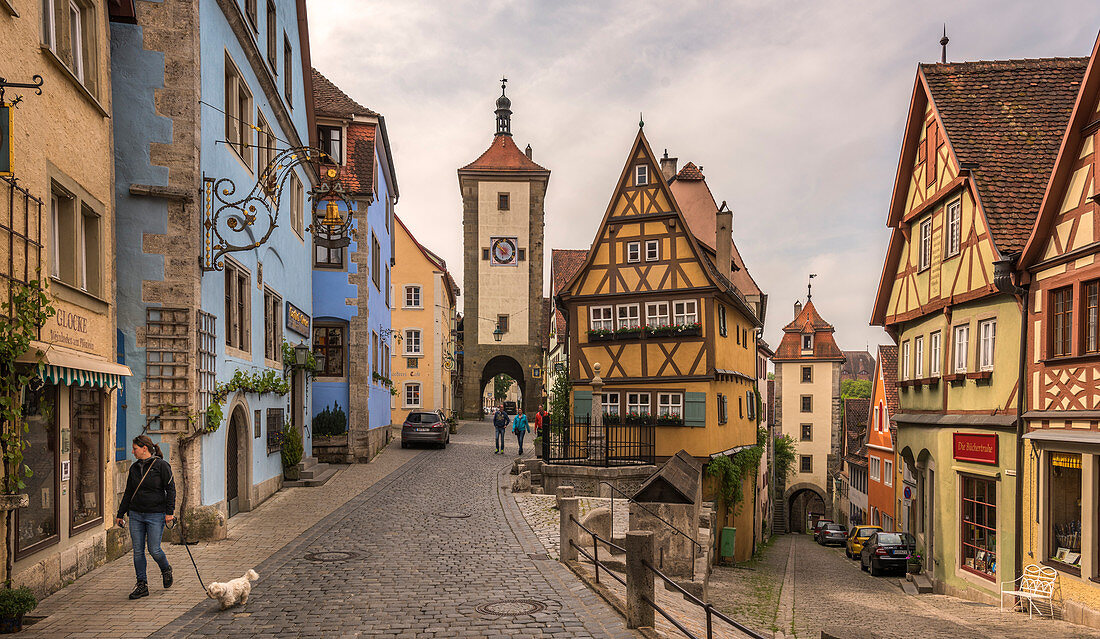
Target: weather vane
<point>503,84</point>
<point>809,285</point>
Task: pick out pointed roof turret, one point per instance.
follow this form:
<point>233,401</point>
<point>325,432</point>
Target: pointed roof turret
<point>503,154</point>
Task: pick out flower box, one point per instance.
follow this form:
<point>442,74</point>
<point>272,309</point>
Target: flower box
<point>981,376</point>
<point>638,419</point>
<point>684,330</point>
<point>628,333</point>
<point>955,378</point>
<point>600,335</point>
<point>670,420</point>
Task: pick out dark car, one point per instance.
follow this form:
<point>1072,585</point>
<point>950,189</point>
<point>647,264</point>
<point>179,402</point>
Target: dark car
<point>425,428</point>
<point>831,533</point>
<point>887,551</point>
<point>818,524</point>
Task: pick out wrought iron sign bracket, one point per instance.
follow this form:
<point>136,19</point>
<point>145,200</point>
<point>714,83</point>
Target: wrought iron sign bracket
<point>36,84</point>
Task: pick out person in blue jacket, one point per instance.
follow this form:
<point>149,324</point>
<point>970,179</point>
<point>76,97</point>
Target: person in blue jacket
<point>500,423</point>
<point>520,427</point>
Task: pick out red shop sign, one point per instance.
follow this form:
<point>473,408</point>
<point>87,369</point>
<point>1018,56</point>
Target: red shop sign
<point>976,448</point>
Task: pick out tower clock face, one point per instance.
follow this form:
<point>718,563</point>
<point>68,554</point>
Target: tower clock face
<point>503,251</point>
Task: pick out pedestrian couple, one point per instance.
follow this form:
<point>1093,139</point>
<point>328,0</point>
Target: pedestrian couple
<point>520,426</point>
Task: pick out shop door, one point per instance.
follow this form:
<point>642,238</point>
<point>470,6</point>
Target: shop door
<point>231,461</point>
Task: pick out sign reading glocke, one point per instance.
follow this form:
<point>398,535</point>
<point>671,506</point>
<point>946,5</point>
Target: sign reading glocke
<point>70,329</point>
<point>981,449</point>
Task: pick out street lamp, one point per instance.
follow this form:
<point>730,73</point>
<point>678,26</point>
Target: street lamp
<point>301,354</point>
<point>498,334</point>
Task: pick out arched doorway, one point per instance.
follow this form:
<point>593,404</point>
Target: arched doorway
<point>236,463</point>
<point>805,505</point>
<point>503,365</point>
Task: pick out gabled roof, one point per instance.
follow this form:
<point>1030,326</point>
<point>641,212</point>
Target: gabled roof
<point>690,172</point>
<point>330,101</point>
<point>856,411</point>
<point>808,321</point>
<point>857,363</point>
<point>448,281</point>
<point>1080,117</point>
<point>888,360</point>
<point>564,264</point>
<point>503,155</point>
<point>1006,118</point>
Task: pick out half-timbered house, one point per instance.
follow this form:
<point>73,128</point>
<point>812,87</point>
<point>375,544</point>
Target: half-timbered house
<point>978,147</point>
<point>1062,445</point>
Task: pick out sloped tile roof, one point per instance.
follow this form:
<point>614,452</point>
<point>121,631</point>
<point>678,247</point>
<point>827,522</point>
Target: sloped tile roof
<point>1007,118</point>
<point>329,100</point>
<point>808,320</point>
<point>503,155</point>
<point>690,172</point>
<point>564,264</point>
<point>857,363</point>
<point>888,358</point>
<point>856,411</point>
<point>547,309</point>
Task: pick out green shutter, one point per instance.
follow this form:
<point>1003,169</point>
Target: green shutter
<point>582,403</point>
<point>695,410</point>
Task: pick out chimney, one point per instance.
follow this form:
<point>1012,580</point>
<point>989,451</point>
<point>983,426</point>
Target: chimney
<point>797,309</point>
<point>528,151</point>
<point>723,240</point>
<point>668,166</point>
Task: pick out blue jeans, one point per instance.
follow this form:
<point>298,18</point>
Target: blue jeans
<point>147,528</point>
<point>519,436</point>
<point>500,438</point>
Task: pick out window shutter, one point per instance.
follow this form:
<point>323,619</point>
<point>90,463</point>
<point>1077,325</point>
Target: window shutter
<point>582,403</point>
<point>695,410</point>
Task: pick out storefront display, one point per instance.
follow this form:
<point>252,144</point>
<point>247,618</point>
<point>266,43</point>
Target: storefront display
<point>37,524</point>
<point>979,526</point>
<point>86,490</point>
<point>1065,508</point>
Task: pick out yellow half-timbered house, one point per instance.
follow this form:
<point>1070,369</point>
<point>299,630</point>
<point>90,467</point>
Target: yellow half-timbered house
<point>675,339</point>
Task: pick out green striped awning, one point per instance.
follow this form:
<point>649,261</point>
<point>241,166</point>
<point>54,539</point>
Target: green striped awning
<point>65,376</point>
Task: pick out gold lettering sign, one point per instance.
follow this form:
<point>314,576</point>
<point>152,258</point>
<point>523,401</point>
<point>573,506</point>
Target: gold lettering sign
<point>297,320</point>
<point>70,329</point>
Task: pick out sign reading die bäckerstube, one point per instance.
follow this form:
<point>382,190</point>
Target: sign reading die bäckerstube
<point>974,447</point>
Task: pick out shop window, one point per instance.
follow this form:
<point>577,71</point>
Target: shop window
<point>37,524</point>
<point>1064,509</point>
<point>328,343</point>
<point>979,526</point>
<point>86,457</point>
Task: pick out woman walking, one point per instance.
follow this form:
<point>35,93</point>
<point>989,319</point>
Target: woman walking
<point>520,427</point>
<point>149,500</point>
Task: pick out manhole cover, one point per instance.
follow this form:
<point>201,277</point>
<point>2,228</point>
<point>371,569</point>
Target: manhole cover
<point>510,607</point>
<point>454,515</point>
<point>332,555</point>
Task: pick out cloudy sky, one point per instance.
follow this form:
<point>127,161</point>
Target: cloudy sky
<point>794,110</point>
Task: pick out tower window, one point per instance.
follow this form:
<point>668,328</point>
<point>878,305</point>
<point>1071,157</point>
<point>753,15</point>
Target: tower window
<point>503,201</point>
<point>641,175</point>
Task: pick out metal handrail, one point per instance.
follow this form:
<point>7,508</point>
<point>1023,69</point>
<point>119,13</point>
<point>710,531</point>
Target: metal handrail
<point>679,626</point>
<point>630,500</point>
<point>595,557</point>
<point>707,608</point>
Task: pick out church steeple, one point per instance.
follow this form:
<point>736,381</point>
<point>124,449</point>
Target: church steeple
<point>504,111</point>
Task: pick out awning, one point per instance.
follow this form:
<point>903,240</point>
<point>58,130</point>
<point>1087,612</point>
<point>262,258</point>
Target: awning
<point>957,420</point>
<point>1066,436</point>
<point>60,365</point>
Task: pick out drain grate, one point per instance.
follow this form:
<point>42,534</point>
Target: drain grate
<point>454,515</point>
<point>538,555</point>
<point>510,607</point>
<point>332,555</point>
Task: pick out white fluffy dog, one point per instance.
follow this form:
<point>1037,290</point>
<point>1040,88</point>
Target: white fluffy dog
<point>234,591</point>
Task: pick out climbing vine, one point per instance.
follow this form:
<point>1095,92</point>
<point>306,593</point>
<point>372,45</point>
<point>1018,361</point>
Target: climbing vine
<point>290,360</point>
<point>783,457</point>
<point>731,470</point>
<point>260,383</point>
<point>23,316</point>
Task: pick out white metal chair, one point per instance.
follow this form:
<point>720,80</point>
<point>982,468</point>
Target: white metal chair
<point>1035,585</point>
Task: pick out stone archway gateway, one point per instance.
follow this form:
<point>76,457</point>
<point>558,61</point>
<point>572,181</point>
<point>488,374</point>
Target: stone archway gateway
<point>502,227</point>
<point>804,501</point>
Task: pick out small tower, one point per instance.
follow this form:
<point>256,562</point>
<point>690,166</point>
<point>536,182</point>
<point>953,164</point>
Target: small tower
<point>504,111</point>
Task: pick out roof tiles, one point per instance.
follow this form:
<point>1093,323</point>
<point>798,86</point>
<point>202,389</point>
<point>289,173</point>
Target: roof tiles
<point>329,100</point>
<point>503,155</point>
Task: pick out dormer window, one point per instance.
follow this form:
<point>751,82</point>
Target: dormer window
<point>808,342</point>
<point>641,175</point>
<point>331,141</point>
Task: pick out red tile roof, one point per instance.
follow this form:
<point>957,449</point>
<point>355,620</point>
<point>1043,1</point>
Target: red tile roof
<point>690,172</point>
<point>856,411</point>
<point>503,155</point>
<point>808,321</point>
<point>330,101</point>
<point>888,358</point>
<point>1007,118</point>
<point>564,264</point>
<point>547,309</point>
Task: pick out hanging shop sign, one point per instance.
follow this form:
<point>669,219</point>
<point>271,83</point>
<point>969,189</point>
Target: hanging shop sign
<point>978,448</point>
<point>297,320</point>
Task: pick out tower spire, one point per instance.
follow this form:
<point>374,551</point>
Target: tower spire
<point>809,287</point>
<point>943,43</point>
<point>504,110</point>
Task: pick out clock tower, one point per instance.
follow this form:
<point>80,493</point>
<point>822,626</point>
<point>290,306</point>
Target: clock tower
<point>502,226</point>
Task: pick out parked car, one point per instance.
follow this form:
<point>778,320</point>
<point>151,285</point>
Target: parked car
<point>887,551</point>
<point>819,524</point>
<point>856,537</point>
<point>831,533</point>
<point>422,427</point>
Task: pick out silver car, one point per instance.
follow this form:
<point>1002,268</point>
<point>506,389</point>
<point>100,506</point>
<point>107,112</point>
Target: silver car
<point>422,427</point>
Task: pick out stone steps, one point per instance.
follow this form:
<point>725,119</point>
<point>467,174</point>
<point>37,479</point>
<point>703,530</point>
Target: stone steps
<point>318,475</point>
<point>921,582</point>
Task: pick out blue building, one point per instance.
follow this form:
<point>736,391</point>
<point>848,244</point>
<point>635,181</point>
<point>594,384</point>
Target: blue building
<point>213,91</point>
<point>352,295</point>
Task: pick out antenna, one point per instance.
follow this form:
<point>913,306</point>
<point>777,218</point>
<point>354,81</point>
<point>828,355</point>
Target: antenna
<point>943,43</point>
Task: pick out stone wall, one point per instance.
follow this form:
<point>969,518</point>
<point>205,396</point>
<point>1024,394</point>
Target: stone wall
<point>586,480</point>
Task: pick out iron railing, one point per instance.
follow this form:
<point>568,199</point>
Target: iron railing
<point>708,609</point>
<point>595,556</point>
<point>582,444</point>
<point>630,500</point>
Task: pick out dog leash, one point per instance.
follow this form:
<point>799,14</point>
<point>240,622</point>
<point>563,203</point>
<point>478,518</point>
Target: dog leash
<point>172,524</point>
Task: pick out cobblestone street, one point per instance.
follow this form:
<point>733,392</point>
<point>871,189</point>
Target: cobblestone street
<point>827,590</point>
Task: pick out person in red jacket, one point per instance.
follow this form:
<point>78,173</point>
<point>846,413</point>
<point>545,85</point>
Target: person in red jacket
<point>542,418</point>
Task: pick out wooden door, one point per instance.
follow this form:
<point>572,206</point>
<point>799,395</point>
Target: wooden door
<point>232,454</point>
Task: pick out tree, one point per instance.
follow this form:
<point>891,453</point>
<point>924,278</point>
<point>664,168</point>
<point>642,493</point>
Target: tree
<point>858,388</point>
<point>559,406</point>
<point>501,384</point>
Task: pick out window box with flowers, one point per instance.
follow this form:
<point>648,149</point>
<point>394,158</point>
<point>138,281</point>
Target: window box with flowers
<point>670,420</point>
<point>601,335</point>
<point>628,333</point>
<point>611,419</point>
<point>675,330</point>
<point>635,418</point>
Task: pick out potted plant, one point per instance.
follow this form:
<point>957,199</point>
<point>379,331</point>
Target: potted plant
<point>291,452</point>
<point>915,563</point>
<point>14,603</point>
